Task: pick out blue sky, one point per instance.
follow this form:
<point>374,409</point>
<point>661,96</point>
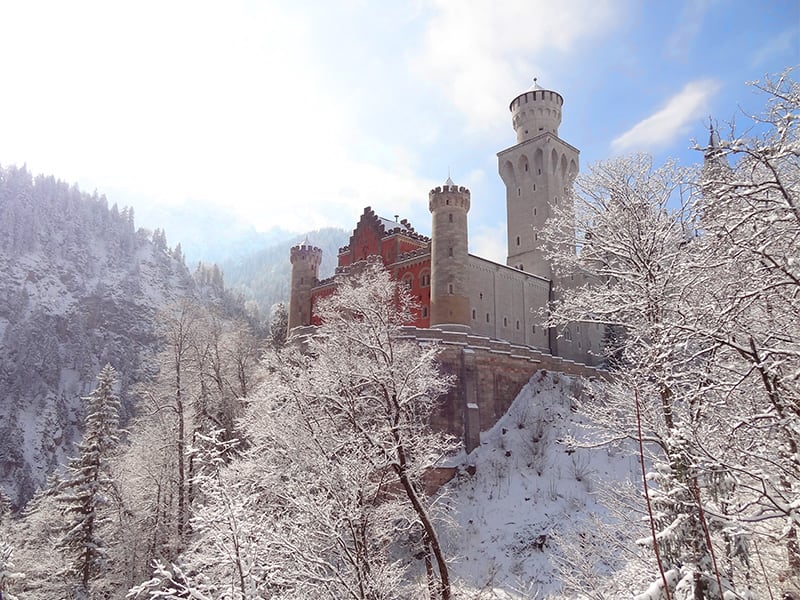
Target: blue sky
<point>299,114</point>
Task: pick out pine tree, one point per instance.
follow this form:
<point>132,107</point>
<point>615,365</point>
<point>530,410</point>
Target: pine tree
<point>83,493</point>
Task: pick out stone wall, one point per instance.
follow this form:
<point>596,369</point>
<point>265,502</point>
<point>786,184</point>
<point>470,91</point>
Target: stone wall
<point>489,375</point>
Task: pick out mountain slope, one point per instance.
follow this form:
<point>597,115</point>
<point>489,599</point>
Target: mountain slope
<point>79,287</point>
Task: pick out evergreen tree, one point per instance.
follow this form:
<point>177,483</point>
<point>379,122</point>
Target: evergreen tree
<point>83,493</point>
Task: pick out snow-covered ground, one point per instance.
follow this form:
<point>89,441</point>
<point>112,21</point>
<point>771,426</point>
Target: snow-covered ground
<point>529,486</point>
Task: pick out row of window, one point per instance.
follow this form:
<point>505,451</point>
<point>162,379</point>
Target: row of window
<point>424,279</point>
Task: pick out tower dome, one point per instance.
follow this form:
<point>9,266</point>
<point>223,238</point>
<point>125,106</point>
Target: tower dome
<point>535,111</point>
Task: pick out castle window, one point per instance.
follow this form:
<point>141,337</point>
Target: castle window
<point>480,295</point>
<point>555,200</point>
<point>448,202</point>
<point>519,191</point>
<point>408,280</point>
<point>424,312</point>
<point>534,187</point>
<point>526,164</point>
<point>302,280</point>
<point>474,313</point>
<point>540,171</point>
<point>517,240</point>
<point>567,334</point>
<point>517,325</point>
<point>534,210</point>
<point>449,288</point>
<point>487,317</point>
<point>505,321</point>
<point>425,279</point>
<point>450,251</point>
<point>450,217</point>
<point>533,328</point>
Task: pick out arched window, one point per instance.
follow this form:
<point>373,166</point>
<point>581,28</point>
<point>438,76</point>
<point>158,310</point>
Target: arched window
<point>425,279</point>
<point>408,280</point>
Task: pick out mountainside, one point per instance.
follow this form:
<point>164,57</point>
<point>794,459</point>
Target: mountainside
<point>79,288</point>
<point>264,276</point>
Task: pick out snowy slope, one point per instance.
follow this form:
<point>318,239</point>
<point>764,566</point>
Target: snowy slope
<point>79,287</point>
<point>528,487</point>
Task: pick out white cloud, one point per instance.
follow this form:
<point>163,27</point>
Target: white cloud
<point>690,24</point>
<point>480,53</point>
<point>785,42</point>
<point>194,101</point>
<point>671,122</point>
<point>489,241</point>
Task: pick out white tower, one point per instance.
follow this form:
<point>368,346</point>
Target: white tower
<point>538,172</point>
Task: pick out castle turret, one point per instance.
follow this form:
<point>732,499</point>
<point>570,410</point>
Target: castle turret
<point>305,260</point>
<point>538,172</point>
<point>449,205</point>
<point>535,111</point>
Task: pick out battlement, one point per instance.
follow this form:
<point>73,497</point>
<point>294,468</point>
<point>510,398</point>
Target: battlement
<point>305,252</point>
<point>536,111</point>
<point>539,96</point>
<point>449,195</point>
<point>452,189</point>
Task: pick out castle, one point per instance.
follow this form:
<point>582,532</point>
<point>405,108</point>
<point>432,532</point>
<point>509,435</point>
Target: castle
<point>491,313</point>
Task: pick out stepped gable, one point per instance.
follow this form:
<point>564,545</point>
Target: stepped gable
<point>384,227</point>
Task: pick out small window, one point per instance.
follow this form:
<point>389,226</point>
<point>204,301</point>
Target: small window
<point>533,328</point>
<point>450,251</point>
<point>505,321</point>
<point>567,334</point>
<point>480,295</point>
<point>534,187</point>
<point>450,217</point>
<point>408,281</point>
<point>449,288</point>
<point>448,202</point>
<point>535,237</point>
<point>518,240</point>
<point>302,280</point>
<point>424,312</point>
<point>526,164</point>
<point>519,191</point>
<point>425,279</point>
<point>534,210</point>
<point>540,171</point>
<point>517,325</point>
<point>474,314</point>
<point>487,317</point>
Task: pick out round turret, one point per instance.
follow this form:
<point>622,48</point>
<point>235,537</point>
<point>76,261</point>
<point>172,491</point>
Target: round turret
<point>449,205</point>
<point>536,111</point>
<point>305,260</point>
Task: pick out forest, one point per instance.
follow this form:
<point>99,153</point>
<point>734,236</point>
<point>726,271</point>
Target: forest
<point>257,467</point>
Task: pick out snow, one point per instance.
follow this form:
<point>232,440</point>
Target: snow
<point>528,486</point>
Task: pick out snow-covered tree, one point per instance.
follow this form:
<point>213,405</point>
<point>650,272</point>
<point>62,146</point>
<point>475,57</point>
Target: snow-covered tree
<point>698,276</point>
<point>326,498</point>
<point>278,324</point>
<point>84,493</point>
